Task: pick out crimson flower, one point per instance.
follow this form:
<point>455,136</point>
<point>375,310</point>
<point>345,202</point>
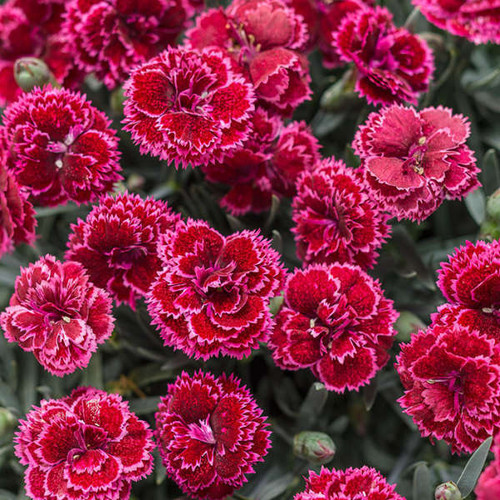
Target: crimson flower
<point>476,20</point>
<point>335,321</point>
<point>117,244</point>
<point>392,64</point>
<point>414,160</point>
<point>86,446</point>
<point>210,433</point>
<point>212,294</point>
<point>488,485</point>
<point>187,106</point>
<point>335,218</point>
<point>350,484</point>
<point>61,147</point>
<point>57,314</point>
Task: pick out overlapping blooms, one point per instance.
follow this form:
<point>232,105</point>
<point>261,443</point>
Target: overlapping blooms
<point>117,244</point>
<point>111,37</point>
<point>57,314</point>
<point>86,446</point>
<point>187,106</point>
<point>210,433</point>
<point>350,484</point>
<point>476,20</point>
<point>61,147</point>
<point>213,292</point>
<point>392,64</point>
<point>335,321</point>
<point>335,218</point>
<point>414,160</point>
<point>488,485</point>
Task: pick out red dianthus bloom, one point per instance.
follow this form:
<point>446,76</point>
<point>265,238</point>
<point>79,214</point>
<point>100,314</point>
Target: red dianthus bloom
<point>350,484</point>
<point>476,20</point>
<point>336,321</point>
<point>210,433</point>
<point>61,147</point>
<point>213,292</point>
<point>335,218</point>
<point>86,446</point>
<point>187,106</point>
<point>117,244</point>
<point>416,159</point>
<point>57,314</point>
<point>392,64</point>
<point>488,485</point>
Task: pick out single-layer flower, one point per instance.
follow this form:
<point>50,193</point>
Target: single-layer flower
<point>350,484</point>
<point>57,314</point>
<point>61,147</point>
<point>392,64</point>
<point>335,321</point>
<point>476,20</point>
<point>86,446</point>
<point>210,433</point>
<point>488,485</point>
<point>187,106</point>
<point>117,244</point>
<point>336,219</point>
<point>213,292</point>
<point>415,160</point>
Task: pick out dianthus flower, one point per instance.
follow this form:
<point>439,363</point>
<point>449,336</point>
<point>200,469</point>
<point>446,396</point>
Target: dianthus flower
<point>488,485</point>
<point>187,106</point>
<point>213,292</point>
<point>335,321</point>
<point>451,377</point>
<point>117,244</point>
<point>86,446</point>
<point>476,20</point>
<point>61,147</point>
<point>350,484</point>
<point>269,162</point>
<point>111,37</point>
<point>57,314</point>
<point>210,433</point>
<point>416,159</point>
<point>335,218</point>
<point>392,64</point>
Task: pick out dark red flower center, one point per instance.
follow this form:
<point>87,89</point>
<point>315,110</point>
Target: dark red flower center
<point>124,257</point>
<point>88,438</point>
<point>454,383</point>
<point>202,431</point>
<point>54,312</point>
<point>415,158</point>
<point>451,5</point>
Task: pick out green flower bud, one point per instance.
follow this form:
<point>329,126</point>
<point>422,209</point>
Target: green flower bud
<point>7,422</point>
<point>116,101</point>
<point>493,206</point>
<point>316,447</point>
<point>31,72</point>
<point>447,491</point>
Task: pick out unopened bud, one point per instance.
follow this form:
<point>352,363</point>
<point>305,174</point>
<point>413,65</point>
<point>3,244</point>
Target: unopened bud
<point>31,72</point>
<point>447,491</point>
<point>316,447</point>
<point>116,101</point>
<point>7,422</point>
<point>493,206</point>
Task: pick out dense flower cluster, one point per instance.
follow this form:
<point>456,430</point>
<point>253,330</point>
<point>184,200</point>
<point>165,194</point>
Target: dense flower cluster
<point>61,147</point>
<point>335,218</point>
<point>414,160</point>
<point>86,446</point>
<point>117,244</point>
<point>57,314</point>
<point>212,294</point>
<point>350,484</point>
<point>335,321</point>
<point>488,485</point>
<point>210,433</point>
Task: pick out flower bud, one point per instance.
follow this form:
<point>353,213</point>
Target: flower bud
<point>316,447</point>
<point>493,206</point>
<point>31,72</point>
<point>7,422</point>
<point>447,491</point>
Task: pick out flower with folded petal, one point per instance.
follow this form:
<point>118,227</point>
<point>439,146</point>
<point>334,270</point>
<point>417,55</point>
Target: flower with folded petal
<point>416,159</point>
<point>335,218</point>
<point>210,433</point>
<point>335,321</point>
<point>61,147</point>
<point>117,244</point>
<point>57,314</point>
<point>86,446</point>
<point>213,292</point>
<point>488,485</point>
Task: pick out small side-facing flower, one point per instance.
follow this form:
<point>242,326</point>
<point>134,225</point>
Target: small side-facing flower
<point>335,321</point>
<point>57,314</point>
<point>61,147</point>
<point>416,159</point>
<point>335,218</point>
<point>86,446</point>
<point>117,244</point>
<point>488,485</point>
<point>213,292</point>
<point>349,484</point>
<point>210,433</point>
